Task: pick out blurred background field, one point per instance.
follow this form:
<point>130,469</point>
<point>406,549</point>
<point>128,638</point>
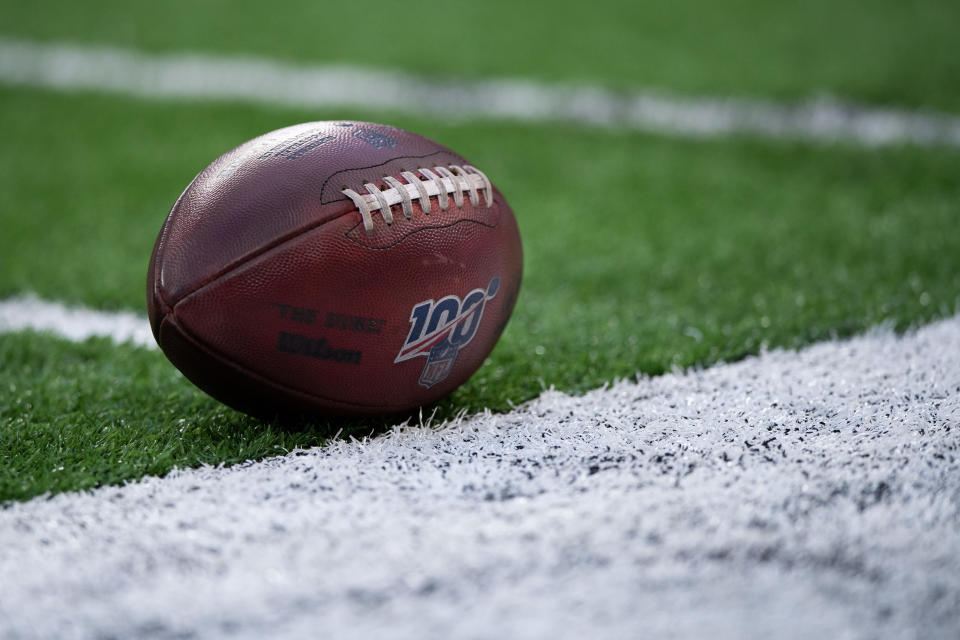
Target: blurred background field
<point>643,252</point>
<point>888,51</point>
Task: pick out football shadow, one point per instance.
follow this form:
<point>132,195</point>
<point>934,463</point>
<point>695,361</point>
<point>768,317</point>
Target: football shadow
<point>326,427</point>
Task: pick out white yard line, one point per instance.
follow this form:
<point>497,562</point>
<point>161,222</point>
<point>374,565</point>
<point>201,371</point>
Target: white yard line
<point>70,67</point>
<point>791,495</point>
<point>74,323</point>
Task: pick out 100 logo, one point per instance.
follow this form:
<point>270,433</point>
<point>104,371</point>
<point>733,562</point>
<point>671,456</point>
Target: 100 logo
<point>439,329</point>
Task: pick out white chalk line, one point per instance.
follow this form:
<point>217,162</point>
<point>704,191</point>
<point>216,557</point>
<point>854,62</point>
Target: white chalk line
<point>736,499</point>
<point>69,67</point>
<point>29,312</point>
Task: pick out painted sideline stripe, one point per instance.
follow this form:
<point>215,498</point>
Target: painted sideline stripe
<point>822,480</point>
<point>74,323</point>
<point>180,76</point>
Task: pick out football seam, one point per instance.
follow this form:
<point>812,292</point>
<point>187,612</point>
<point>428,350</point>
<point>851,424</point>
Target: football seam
<point>210,351</point>
<point>252,255</point>
<point>161,249</point>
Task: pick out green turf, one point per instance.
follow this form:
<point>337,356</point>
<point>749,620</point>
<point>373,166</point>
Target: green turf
<point>76,416</point>
<point>642,253</point>
<point>885,51</point>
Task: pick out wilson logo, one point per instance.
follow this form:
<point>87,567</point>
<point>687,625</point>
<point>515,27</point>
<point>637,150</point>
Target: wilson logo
<point>438,330</point>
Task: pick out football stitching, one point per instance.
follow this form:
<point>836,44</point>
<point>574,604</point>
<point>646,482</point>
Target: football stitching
<point>446,182</point>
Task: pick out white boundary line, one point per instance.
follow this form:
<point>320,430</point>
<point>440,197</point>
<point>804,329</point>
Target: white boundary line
<point>734,499</point>
<point>70,67</point>
<point>73,323</point>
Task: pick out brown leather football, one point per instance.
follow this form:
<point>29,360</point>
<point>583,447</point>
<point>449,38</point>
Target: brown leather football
<point>334,268</point>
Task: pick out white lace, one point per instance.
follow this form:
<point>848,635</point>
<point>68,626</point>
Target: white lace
<point>441,182</point>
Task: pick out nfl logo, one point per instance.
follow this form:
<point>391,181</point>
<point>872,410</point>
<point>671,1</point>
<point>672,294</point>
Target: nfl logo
<point>439,362</point>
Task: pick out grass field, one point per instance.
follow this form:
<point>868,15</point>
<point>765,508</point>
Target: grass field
<point>643,252</point>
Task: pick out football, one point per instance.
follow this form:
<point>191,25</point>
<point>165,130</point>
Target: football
<point>334,268</point>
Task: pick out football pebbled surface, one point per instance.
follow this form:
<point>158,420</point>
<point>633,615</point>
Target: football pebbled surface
<point>272,290</point>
